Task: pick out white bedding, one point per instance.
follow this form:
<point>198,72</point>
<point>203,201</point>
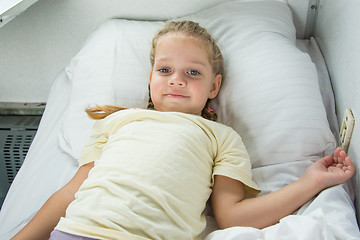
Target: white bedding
<point>270,95</point>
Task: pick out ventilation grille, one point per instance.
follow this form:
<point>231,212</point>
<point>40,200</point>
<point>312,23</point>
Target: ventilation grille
<point>15,149</point>
<point>16,134</point>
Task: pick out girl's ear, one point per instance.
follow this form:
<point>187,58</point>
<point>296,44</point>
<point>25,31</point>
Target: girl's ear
<point>216,86</point>
<point>150,75</point>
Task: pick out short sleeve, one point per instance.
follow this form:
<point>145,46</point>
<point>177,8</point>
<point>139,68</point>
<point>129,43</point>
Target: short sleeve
<point>233,161</point>
<point>94,145</point>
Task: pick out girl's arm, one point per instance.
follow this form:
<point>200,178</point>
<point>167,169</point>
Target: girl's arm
<point>49,214</point>
<point>231,209</point>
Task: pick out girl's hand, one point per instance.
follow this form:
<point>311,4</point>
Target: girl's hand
<point>331,170</point>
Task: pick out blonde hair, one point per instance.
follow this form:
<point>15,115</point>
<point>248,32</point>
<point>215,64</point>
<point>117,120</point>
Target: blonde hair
<point>192,29</point>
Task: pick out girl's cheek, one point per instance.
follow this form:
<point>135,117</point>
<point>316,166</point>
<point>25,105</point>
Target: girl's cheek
<point>199,87</point>
<point>157,86</point>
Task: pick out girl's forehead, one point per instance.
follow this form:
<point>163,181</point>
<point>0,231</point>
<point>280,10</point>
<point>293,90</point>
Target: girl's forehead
<point>197,40</point>
<point>182,35</point>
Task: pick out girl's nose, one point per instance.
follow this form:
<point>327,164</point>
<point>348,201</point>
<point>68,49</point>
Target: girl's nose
<point>177,80</point>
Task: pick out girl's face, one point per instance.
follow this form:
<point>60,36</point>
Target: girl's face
<point>182,79</point>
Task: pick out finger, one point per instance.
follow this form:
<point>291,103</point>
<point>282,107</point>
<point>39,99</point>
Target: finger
<point>349,167</point>
<point>348,162</point>
<point>337,153</point>
<point>342,157</point>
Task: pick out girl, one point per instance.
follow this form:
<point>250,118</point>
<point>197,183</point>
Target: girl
<point>148,174</point>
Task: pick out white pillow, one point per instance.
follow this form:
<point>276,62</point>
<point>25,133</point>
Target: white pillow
<point>270,94</point>
<point>113,67</point>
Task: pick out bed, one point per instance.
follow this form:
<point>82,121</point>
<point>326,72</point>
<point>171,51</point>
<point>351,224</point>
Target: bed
<point>276,94</point>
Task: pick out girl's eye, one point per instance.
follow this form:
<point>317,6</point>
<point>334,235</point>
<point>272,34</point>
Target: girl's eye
<point>164,70</point>
<point>193,72</point>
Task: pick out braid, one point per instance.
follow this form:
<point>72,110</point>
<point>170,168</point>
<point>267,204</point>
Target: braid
<point>150,105</point>
<point>208,113</point>
<point>100,112</point>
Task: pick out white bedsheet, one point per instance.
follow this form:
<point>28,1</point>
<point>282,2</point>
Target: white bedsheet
<point>330,215</point>
<point>312,226</point>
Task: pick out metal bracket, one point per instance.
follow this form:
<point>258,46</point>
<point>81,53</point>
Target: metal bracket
<point>311,18</point>
<point>12,108</point>
<point>346,130</point>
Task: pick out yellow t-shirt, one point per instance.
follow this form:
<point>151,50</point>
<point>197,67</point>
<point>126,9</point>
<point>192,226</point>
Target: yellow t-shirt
<point>153,175</point>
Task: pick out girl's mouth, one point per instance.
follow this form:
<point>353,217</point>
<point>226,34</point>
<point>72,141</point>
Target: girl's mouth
<point>176,95</point>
